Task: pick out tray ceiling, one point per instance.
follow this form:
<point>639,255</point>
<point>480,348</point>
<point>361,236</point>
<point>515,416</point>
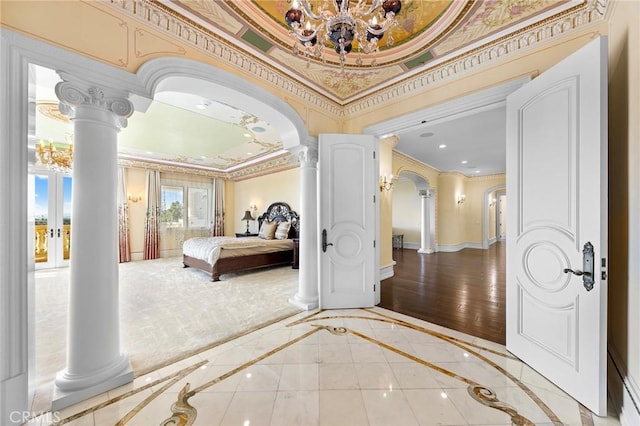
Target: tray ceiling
<point>428,33</point>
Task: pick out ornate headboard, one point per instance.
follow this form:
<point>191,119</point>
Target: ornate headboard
<point>281,212</point>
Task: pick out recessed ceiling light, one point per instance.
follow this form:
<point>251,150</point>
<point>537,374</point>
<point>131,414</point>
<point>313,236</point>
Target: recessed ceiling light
<point>464,161</point>
<point>203,105</point>
<point>258,129</point>
<point>249,153</point>
<point>477,171</point>
<point>247,135</point>
<point>426,135</point>
<point>442,146</point>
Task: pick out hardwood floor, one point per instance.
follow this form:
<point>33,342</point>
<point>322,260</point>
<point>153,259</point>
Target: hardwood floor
<point>464,291</point>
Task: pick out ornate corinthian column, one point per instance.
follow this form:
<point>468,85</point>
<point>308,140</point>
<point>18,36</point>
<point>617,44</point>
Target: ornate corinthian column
<point>94,361</point>
<point>307,295</point>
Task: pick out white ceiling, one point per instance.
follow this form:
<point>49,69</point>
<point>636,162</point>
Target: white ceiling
<point>220,136</point>
<point>474,143</point>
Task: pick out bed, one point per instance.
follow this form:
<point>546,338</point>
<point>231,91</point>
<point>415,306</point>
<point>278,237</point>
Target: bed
<point>223,255</point>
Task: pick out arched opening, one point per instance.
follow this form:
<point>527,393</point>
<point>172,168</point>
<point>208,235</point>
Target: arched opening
<point>164,76</point>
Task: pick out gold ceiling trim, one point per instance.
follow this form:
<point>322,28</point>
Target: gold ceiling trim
<point>532,35</point>
<point>50,110</point>
<point>280,163</point>
<point>151,165</point>
<point>537,34</point>
<point>237,57</point>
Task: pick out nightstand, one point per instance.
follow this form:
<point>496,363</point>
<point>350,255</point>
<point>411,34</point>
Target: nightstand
<point>296,250</point>
<point>242,234</point>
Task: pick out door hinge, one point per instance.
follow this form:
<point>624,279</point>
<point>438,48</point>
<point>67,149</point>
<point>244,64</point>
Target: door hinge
<point>374,288</point>
<point>374,155</point>
<point>374,199</point>
<point>374,243</point>
<point>604,275</point>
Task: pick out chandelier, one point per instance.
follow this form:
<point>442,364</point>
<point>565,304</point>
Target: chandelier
<point>54,156</point>
<point>364,22</point>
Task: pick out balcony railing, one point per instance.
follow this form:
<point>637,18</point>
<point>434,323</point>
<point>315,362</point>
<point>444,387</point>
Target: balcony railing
<point>42,235</point>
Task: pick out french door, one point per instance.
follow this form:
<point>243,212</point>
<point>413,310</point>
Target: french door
<point>52,218</point>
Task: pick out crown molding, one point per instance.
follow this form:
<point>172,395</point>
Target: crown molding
<point>179,27</point>
<point>277,164</point>
<point>525,39</point>
<point>190,33</point>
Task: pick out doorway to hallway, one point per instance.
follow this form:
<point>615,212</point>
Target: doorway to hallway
<point>463,290</point>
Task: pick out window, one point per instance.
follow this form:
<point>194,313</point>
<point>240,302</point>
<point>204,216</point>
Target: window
<point>184,204</point>
<point>172,206</point>
<point>198,208</point>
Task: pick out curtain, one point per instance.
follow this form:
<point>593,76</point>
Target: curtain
<point>123,217</point>
<point>217,208</point>
<point>152,223</point>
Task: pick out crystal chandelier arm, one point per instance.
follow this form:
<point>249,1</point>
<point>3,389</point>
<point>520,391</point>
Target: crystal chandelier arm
<point>374,6</point>
<point>307,10</point>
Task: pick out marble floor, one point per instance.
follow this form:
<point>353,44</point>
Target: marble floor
<point>340,367</point>
<point>166,313</point>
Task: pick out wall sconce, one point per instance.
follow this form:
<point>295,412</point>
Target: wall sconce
<point>385,184</point>
<point>134,199</point>
<point>254,210</point>
<point>461,198</point>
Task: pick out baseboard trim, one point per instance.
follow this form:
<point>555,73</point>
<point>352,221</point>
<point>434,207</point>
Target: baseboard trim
<point>623,391</point>
<point>135,257</point>
<point>386,271</point>
<point>449,248</point>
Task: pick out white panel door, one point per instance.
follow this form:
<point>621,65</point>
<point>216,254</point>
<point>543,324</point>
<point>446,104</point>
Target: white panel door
<point>557,203</point>
<point>348,212</point>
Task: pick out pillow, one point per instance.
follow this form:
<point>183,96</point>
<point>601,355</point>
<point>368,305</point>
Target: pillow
<point>267,230</point>
<point>282,232</point>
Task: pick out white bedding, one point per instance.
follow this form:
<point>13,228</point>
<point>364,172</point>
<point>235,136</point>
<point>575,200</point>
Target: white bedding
<point>210,249</point>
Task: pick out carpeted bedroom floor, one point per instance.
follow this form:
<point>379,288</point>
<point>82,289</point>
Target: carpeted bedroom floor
<point>167,312</point>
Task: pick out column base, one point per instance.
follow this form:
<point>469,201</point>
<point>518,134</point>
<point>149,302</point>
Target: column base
<point>305,304</point>
<point>427,251</point>
<point>70,390</point>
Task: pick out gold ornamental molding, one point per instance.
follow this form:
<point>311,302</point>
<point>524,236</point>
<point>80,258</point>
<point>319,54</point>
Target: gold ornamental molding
<point>527,38</point>
<point>167,21</point>
<point>277,164</point>
<point>167,168</point>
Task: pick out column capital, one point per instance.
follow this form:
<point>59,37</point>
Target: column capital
<point>75,94</point>
<point>391,140</point>
<point>306,155</point>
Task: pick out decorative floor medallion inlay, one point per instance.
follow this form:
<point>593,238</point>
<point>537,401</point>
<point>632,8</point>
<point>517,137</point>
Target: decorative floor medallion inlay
<point>346,367</point>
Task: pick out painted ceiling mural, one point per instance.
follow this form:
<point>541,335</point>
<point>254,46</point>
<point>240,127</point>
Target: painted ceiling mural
<point>428,32</point>
<point>218,138</point>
